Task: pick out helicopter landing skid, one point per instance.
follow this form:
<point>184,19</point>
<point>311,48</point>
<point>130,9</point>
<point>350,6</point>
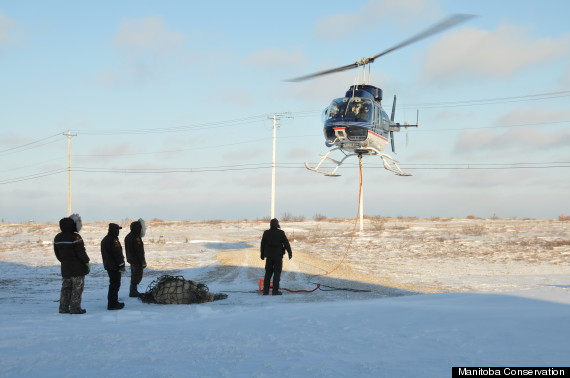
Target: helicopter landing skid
<point>331,173</point>
<point>390,164</point>
<point>387,160</point>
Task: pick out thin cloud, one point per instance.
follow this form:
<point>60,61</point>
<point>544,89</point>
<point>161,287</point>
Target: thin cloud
<point>519,140</point>
<point>147,35</point>
<point>424,156</point>
<point>109,78</point>
<point>6,29</point>
<point>11,32</point>
<point>471,53</point>
<point>243,155</point>
<point>519,137</point>
<point>145,45</point>
<point>114,150</point>
<point>564,82</point>
<point>239,98</point>
<point>276,57</point>
<point>373,14</point>
<point>530,116</point>
<point>300,153</point>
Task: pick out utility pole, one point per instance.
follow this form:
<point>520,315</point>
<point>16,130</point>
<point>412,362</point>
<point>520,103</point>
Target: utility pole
<point>69,135</point>
<point>361,196</point>
<point>276,118</point>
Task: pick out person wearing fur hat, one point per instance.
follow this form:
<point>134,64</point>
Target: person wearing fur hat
<point>134,247</point>
<point>274,243</point>
<point>114,264</point>
<point>70,251</point>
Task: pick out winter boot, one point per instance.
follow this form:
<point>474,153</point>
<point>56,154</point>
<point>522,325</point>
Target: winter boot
<point>133,292</point>
<point>116,306</point>
<point>79,311</point>
<point>277,292</point>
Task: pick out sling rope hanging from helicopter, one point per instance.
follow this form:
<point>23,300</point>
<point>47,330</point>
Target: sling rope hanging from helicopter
<point>349,246</point>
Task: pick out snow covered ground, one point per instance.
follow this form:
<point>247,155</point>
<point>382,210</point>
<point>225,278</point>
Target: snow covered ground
<point>418,297</point>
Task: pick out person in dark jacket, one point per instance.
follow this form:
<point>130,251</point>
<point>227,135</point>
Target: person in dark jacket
<point>114,264</point>
<point>274,243</point>
<point>70,251</point>
<point>134,247</point>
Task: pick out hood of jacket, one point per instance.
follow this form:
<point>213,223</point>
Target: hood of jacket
<point>66,225</point>
<point>77,220</point>
<point>138,228</point>
<point>274,223</point>
<point>114,229</point>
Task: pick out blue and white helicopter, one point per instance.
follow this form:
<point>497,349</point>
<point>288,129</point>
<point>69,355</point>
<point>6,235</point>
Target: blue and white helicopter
<point>356,124</point>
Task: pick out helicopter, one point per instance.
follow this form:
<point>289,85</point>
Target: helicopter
<point>356,124</point>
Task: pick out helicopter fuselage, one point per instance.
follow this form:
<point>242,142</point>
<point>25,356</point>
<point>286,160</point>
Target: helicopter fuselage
<point>357,123</point>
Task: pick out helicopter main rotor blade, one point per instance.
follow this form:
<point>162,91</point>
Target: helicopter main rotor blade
<point>439,27</point>
<point>338,69</point>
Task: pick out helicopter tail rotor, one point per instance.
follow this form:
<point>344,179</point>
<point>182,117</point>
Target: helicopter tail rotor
<point>392,121</point>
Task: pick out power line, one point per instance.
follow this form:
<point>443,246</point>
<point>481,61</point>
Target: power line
<point>494,167</point>
<point>172,151</point>
<point>489,101</point>
<point>31,165</point>
<point>192,127</point>
<point>267,166</point>
<point>197,148</point>
<point>198,126</point>
<point>467,166</point>
<point>222,168</point>
<point>496,126</point>
<point>33,177</point>
<point>29,145</point>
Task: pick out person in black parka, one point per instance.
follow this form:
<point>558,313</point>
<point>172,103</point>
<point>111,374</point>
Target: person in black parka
<point>274,243</point>
<point>134,247</point>
<point>114,264</point>
<point>70,251</point>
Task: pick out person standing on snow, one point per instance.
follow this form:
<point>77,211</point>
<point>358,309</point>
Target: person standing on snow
<point>70,251</point>
<point>135,255</point>
<point>274,243</point>
<point>114,264</point>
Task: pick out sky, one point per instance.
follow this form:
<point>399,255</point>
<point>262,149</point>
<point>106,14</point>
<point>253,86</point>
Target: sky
<point>170,108</point>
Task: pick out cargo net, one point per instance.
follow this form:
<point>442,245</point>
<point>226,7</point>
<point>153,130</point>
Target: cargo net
<point>177,290</point>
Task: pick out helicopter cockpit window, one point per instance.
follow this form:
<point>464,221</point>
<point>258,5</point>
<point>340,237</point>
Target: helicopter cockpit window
<point>337,109</point>
<point>353,109</point>
<point>365,113</point>
<point>361,109</point>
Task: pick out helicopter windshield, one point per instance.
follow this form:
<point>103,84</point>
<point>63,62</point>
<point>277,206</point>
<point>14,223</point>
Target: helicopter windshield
<point>350,109</point>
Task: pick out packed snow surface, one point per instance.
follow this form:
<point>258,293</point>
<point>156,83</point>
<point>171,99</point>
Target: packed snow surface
<point>405,298</point>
